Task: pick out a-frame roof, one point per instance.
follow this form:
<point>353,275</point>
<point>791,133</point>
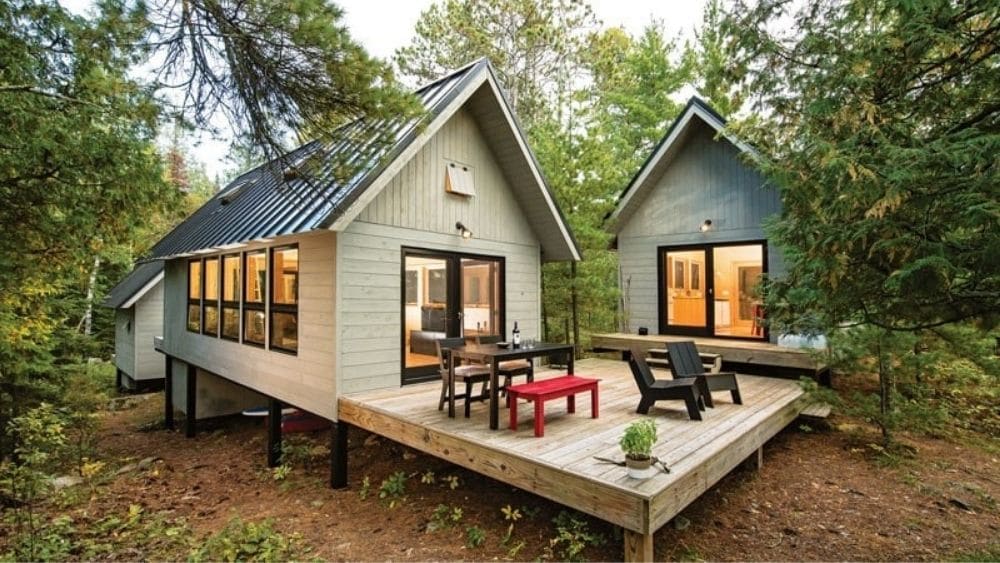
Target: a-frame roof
<point>696,110</point>
<point>269,201</point>
<point>131,289</point>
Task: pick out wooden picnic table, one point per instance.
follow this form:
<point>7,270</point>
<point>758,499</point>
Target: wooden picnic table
<point>492,355</point>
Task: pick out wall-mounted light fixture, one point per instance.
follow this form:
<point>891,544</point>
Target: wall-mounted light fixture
<point>463,230</point>
<point>706,226</point>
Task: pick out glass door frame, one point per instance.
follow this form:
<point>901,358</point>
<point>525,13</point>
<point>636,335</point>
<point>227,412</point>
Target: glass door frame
<point>661,295</point>
<point>453,305</point>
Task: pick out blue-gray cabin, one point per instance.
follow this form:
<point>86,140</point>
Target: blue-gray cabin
<point>690,238</point>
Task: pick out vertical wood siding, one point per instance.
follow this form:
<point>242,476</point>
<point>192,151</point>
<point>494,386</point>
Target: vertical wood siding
<point>125,341</point>
<point>147,324</point>
<point>706,180</point>
<point>415,211</point>
<point>305,380</point>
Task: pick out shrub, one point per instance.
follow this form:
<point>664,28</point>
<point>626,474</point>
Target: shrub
<point>246,541</point>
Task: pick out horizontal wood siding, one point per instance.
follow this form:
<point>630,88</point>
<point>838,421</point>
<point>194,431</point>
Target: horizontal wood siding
<point>706,180</point>
<point>125,341</point>
<point>306,380</point>
<point>148,324</point>
<point>369,295</point>
<point>414,210</point>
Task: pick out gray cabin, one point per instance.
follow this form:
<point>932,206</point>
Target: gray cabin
<point>690,239</point>
<point>138,304</point>
<point>299,288</point>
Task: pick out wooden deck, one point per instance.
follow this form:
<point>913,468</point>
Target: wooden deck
<point>560,466</point>
<point>739,352</point>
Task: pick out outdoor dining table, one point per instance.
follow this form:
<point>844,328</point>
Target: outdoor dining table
<point>492,355</point>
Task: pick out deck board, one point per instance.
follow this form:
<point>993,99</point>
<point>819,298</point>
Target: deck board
<point>748,352</point>
<point>560,466</point>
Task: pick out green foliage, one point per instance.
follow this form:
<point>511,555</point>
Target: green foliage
<point>639,438</point>
<point>533,44</point>
<point>474,537</point>
<point>936,387</point>
<point>511,515</point>
<point>391,490</point>
<point>878,126</point>
<point>247,541</point>
<point>880,132</point>
<point>427,477</point>
<point>40,435</point>
<point>572,537</point>
<point>78,172</point>
<point>444,517</point>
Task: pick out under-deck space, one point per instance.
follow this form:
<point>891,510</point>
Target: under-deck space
<point>561,466</point>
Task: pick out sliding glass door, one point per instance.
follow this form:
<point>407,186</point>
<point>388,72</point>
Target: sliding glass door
<point>446,295</point>
<point>712,290</point>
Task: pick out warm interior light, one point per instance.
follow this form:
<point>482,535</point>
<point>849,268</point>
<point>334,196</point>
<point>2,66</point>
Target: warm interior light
<point>463,230</point>
<point>706,225</point>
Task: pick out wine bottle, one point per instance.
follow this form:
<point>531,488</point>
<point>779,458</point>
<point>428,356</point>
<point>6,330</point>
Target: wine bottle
<point>516,336</point>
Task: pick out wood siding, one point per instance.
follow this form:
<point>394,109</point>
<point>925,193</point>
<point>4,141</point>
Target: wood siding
<point>706,180</point>
<point>125,341</point>
<point>305,380</point>
<point>147,324</point>
<point>415,211</point>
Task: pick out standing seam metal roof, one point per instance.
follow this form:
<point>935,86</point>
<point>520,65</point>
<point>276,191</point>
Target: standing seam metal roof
<point>132,283</point>
<point>264,205</point>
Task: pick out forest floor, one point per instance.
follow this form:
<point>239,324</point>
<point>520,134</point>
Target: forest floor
<point>822,494</point>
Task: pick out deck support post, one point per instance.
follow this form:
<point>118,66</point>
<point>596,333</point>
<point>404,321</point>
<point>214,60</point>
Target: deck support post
<point>338,454</point>
<point>760,458</point>
<point>274,433</point>
<point>168,395</point>
<point>638,547</point>
<point>118,380</point>
<point>192,393</point>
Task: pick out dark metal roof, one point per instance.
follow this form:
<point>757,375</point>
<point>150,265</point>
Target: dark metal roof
<point>272,200</point>
<point>138,279</point>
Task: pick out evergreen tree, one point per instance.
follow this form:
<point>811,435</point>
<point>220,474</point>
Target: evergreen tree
<point>880,124</point>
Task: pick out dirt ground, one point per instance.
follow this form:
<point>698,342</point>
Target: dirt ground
<point>819,496</point>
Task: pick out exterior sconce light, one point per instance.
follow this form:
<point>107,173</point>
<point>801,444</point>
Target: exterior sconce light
<point>463,230</point>
<point>706,226</point>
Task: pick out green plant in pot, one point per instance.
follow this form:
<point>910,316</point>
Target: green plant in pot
<point>637,443</point>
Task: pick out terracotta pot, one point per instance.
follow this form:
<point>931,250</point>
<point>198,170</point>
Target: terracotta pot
<point>639,468</point>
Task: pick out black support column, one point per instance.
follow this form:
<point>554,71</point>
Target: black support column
<point>118,380</point>
<point>168,395</point>
<point>192,393</point>
<point>274,433</point>
<point>338,455</point>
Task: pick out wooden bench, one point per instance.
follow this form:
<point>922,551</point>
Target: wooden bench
<point>556,388</point>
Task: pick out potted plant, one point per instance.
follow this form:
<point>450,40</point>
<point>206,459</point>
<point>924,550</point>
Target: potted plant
<point>637,443</point>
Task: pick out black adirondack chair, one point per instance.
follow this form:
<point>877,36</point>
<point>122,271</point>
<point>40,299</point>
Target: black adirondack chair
<point>685,362</point>
<point>470,374</point>
<point>511,368</point>
<point>690,390</point>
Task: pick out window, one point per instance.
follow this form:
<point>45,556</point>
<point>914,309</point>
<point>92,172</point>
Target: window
<point>210,307</point>
<point>194,296</point>
<point>285,299</point>
<point>255,289</point>
<point>231,297</point>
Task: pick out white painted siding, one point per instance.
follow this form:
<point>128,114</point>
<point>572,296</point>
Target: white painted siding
<point>305,380</point>
<point>415,211</point>
<point>147,324</point>
<point>125,341</point>
<point>706,180</point>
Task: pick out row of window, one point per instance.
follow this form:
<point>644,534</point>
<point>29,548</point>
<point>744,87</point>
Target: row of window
<point>216,297</point>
